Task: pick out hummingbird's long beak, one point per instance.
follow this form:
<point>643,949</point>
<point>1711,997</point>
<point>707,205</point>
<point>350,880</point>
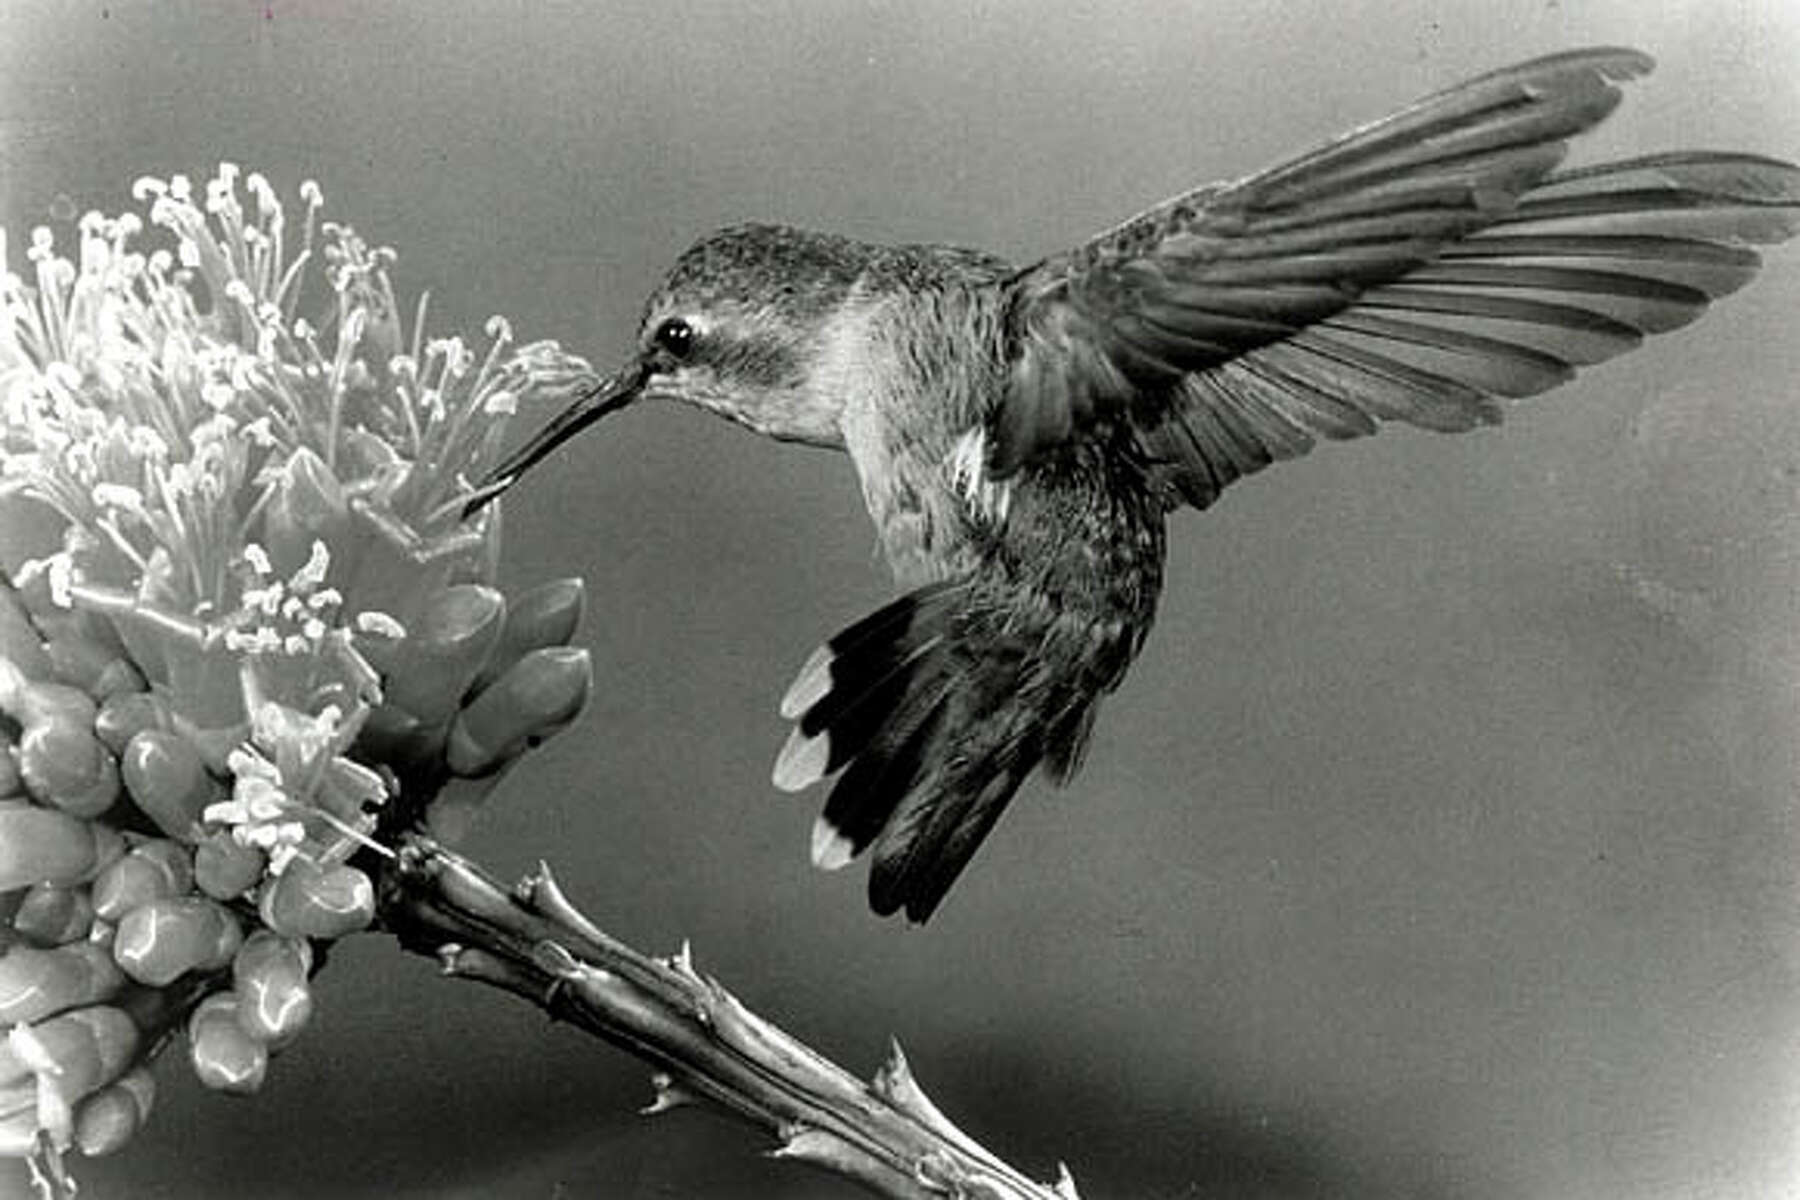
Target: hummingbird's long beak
<point>609,395</point>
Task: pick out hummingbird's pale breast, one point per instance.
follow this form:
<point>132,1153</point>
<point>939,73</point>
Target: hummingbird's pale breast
<point>918,372</point>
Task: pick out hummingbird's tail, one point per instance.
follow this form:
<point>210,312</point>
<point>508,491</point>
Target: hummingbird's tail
<point>936,708</point>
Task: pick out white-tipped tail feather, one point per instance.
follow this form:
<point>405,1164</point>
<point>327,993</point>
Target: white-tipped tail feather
<point>803,760</point>
<point>809,686</point>
<point>831,850</point>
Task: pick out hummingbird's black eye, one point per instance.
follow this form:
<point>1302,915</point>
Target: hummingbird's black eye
<point>676,337</point>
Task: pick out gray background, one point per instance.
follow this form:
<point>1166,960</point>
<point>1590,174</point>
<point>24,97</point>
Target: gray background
<point>1443,843</point>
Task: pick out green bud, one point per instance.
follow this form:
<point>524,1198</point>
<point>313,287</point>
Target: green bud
<point>538,695</point>
<point>163,939</point>
<point>225,868</point>
<point>35,984</point>
<point>310,901</point>
<point>165,776</point>
<point>52,914</point>
<point>148,871</point>
<point>445,647</point>
<point>547,615</point>
<point>106,1120</point>
<point>42,845</point>
<point>224,1056</point>
<point>274,996</point>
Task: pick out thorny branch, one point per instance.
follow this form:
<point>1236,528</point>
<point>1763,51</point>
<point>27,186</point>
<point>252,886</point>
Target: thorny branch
<point>704,1044</point>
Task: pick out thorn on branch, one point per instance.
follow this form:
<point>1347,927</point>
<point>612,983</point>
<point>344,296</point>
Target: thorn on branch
<point>896,1084</point>
<point>50,1177</point>
<point>669,1095</point>
<point>682,961</point>
<point>821,1148</point>
<point>540,893</point>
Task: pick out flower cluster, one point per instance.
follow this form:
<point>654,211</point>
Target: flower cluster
<point>265,631</point>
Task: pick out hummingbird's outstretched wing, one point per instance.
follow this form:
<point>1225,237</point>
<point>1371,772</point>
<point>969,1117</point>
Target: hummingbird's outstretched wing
<point>1413,270</point>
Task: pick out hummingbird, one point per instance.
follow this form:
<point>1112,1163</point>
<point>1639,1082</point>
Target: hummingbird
<point>1023,432</point>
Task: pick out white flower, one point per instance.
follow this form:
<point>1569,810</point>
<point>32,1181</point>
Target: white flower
<point>258,488</point>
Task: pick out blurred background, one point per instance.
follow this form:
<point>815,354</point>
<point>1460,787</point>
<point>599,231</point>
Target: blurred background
<point>1442,845</point>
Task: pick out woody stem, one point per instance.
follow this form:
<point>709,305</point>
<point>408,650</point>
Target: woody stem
<point>704,1044</point>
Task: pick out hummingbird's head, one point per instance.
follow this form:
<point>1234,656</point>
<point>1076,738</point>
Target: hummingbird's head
<point>736,328</point>
<point>737,325</point>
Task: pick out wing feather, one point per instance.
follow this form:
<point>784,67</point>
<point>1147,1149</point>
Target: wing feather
<point>1415,270</point>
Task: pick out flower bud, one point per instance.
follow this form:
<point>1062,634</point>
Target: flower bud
<point>537,695</point>
<point>446,646</point>
<point>95,667</point>
<point>35,984</point>
<point>63,763</point>
<point>148,871</point>
<point>89,1047</point>
<point>123,715</point>
<point>547,615</point>
<point>166,778</point>
<point>52,914</point>
<point>224,1056</point>
<point>42,845</point>
<point>310,901</point>
<point>107,1119</point>
<point>225,868</point>
<point>40,701</point>
<point>269,975</point>
<point>161,940</point>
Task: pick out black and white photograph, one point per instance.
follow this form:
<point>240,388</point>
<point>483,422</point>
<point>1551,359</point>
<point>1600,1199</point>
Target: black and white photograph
<point>1169,600</point>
